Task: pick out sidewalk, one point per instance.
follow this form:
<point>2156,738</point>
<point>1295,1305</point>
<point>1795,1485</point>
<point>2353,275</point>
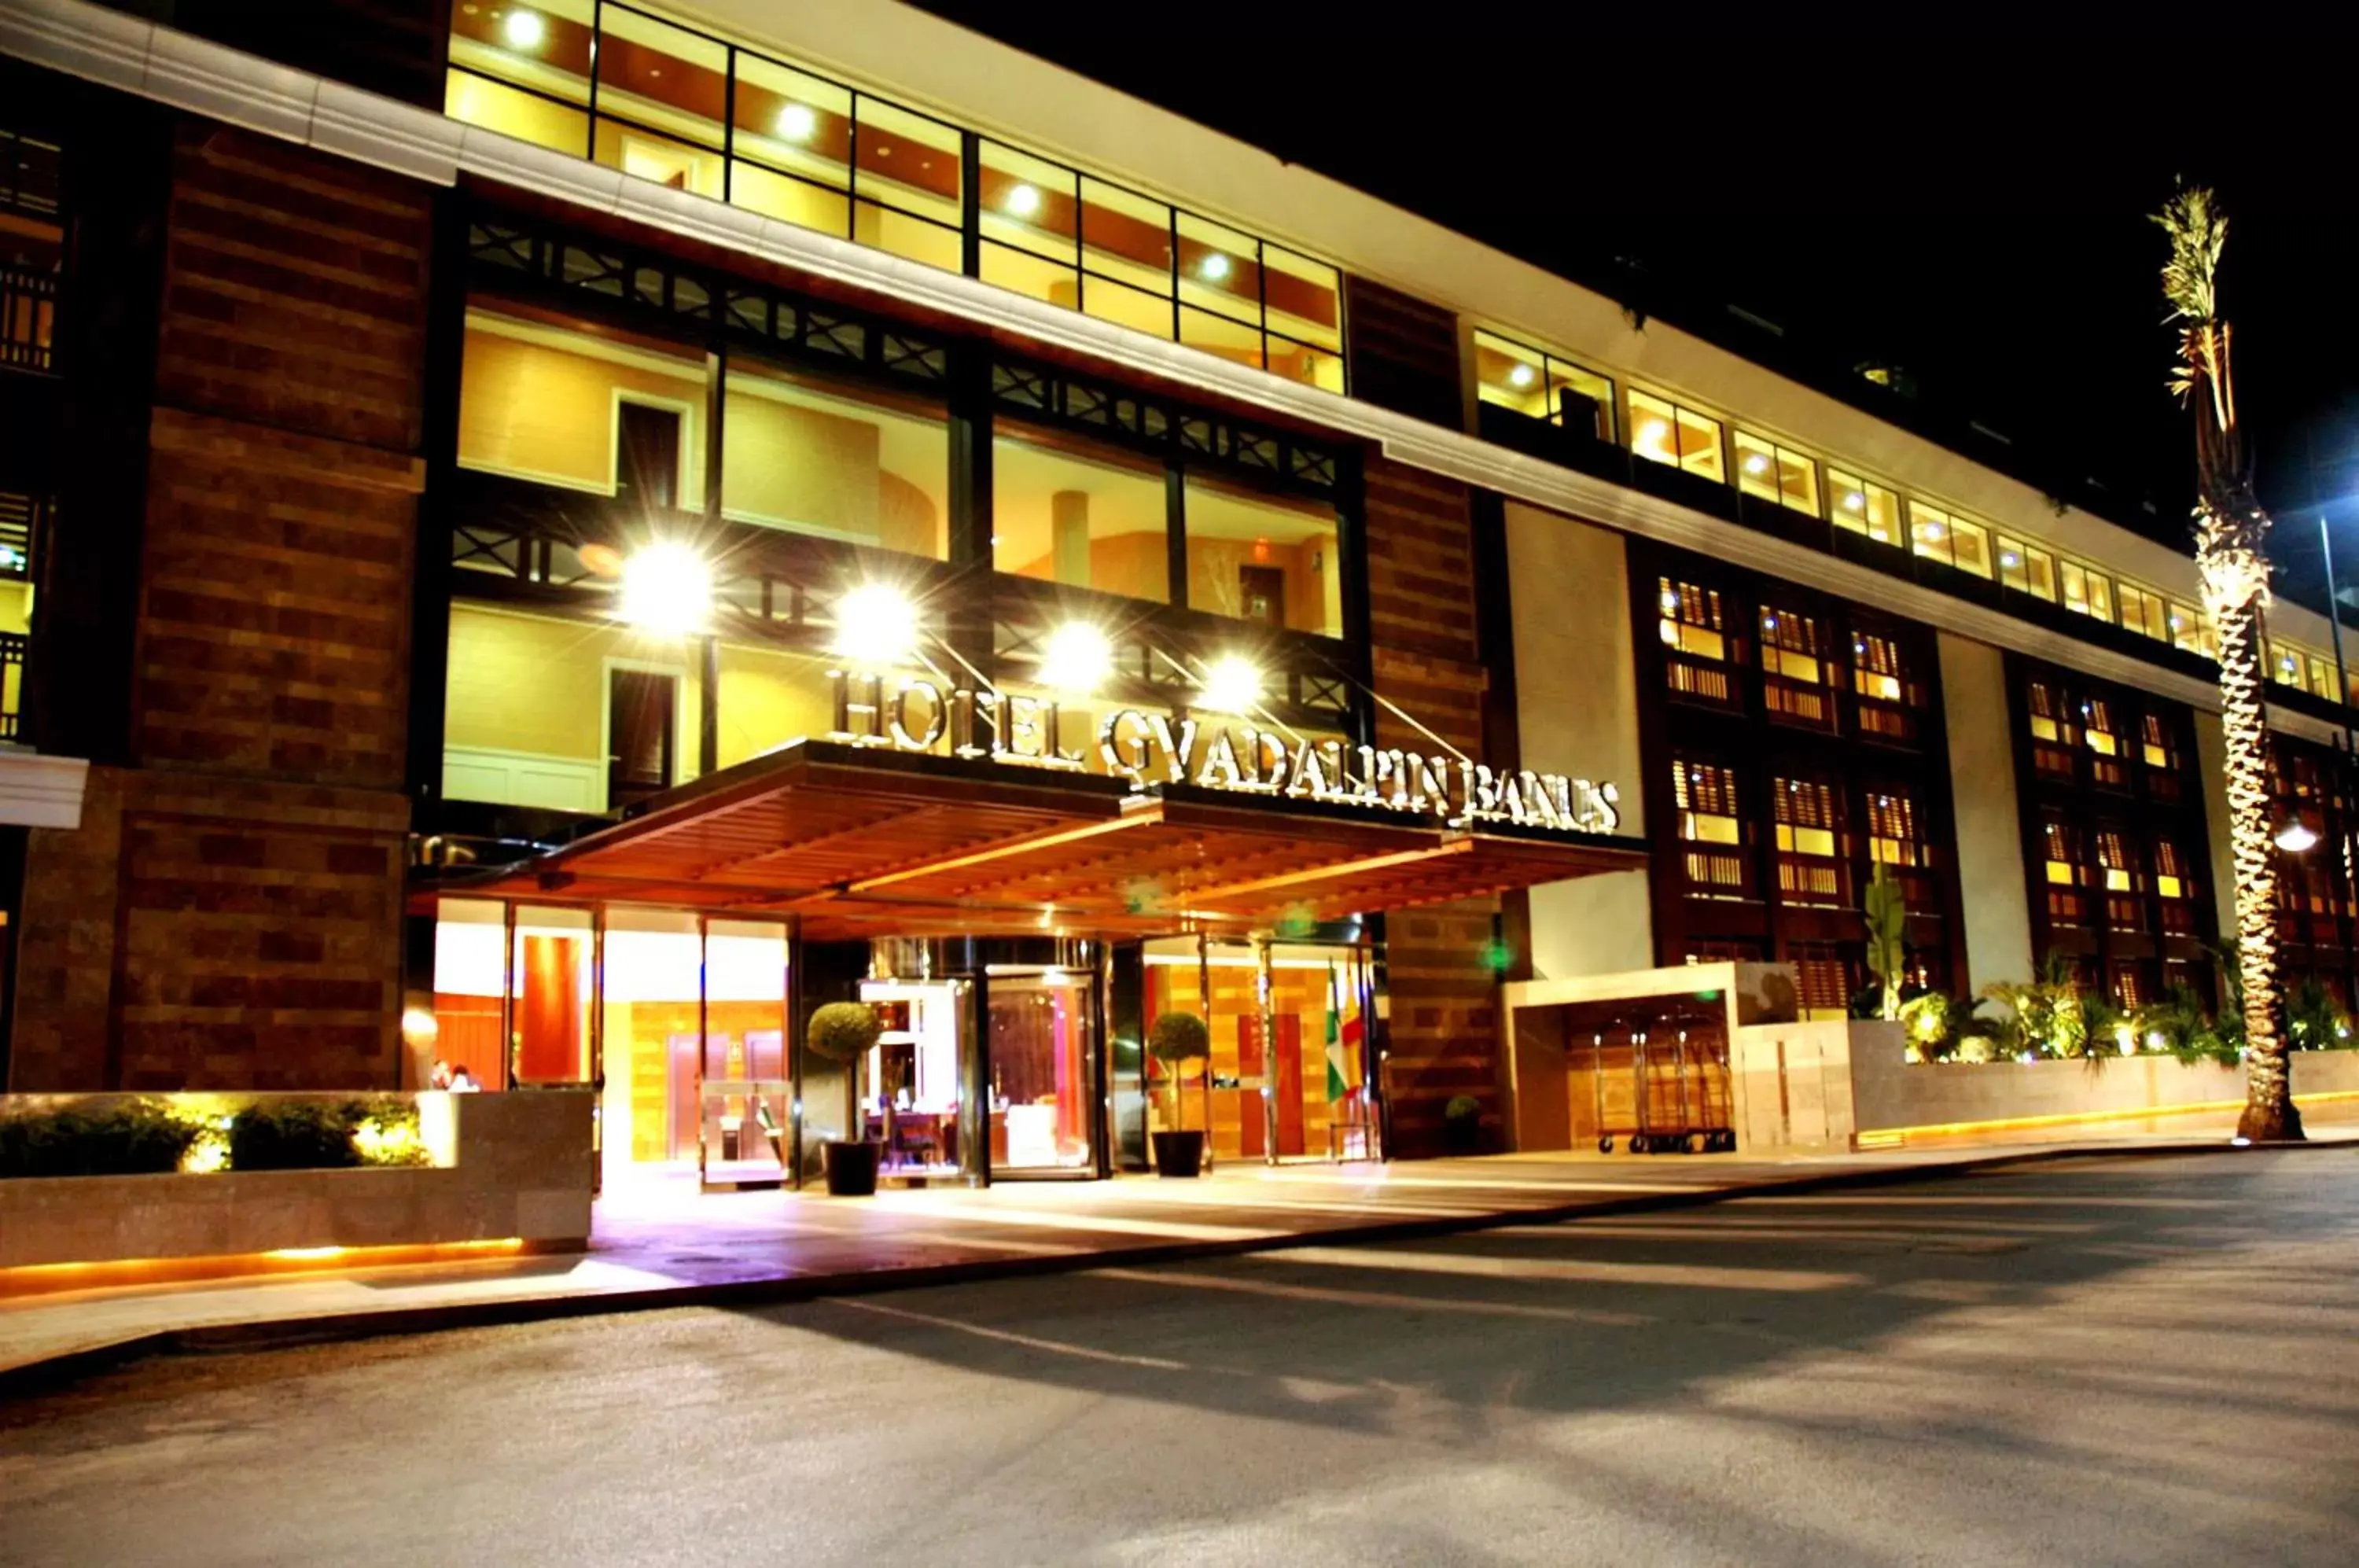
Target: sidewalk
<point>679,1250</point>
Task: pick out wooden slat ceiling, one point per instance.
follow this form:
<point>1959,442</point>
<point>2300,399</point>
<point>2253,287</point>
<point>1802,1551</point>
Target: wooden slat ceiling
<point>863,844</point>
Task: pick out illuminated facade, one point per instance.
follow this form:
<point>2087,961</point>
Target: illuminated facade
<point>1196,586</point>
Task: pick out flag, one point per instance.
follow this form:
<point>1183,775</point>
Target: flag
<point>1339,1083</point>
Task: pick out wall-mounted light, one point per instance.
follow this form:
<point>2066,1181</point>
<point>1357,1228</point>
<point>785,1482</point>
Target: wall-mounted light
<point>2296,837</point>
<point>1231,685</point>
<point>876,625</point>
<point>1024,200</point>
<point>797,122</point>
<point>666,590</point>
<point>1215,266</point>
<point>523,29</point>
<point>1522,375</point>
<point>1756,464</point>
<point>1077,657</point>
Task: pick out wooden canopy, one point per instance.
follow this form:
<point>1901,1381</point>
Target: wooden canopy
<point>864,843</point>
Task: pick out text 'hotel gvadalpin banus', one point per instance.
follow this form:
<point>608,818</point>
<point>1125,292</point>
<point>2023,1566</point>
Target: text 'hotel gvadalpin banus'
<point>562,542</point>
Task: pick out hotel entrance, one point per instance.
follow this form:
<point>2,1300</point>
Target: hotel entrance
<point>1016,932</point>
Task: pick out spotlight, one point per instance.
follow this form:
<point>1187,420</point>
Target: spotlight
<point>1216,266</point>
<point>797,123</point>
<point>666,590</point>
<point>1855,502</point>
<point>1756,464</point>
<point>1521,376</point>
<point>523,29</point>
<point>1024,200</point>
<point>1231,685</point>
<point>1077,657</point>
<point>875,625</point>
<point>2296,837</point>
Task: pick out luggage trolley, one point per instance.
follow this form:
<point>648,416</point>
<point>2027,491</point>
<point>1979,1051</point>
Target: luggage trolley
<point>1674,1088</point>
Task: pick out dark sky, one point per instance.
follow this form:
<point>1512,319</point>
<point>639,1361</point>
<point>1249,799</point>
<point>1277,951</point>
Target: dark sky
<point>1966,199</point>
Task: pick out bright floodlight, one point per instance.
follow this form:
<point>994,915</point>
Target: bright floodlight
<point>523,29</point>
<point>2296,837</point>
<point>666,590</point>
<point>875,625</point>
<point>1077,657</point>
<point>1231,686</point>
<point>797,122</point>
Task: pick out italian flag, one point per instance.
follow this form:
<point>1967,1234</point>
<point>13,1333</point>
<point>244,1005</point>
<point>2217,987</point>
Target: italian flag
<point>1339,1083</point>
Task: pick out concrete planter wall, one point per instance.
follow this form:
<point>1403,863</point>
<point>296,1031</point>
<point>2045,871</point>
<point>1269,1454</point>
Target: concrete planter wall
<point>1890,1094</point>
<point>513,1166</point>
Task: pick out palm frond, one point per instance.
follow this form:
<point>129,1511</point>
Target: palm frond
<point>2198,231</point>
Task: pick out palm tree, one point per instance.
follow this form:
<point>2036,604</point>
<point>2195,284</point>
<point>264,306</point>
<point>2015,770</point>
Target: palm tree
<point>2231,531</point>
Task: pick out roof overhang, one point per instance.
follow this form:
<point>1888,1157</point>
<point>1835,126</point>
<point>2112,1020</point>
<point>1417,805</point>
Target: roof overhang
<point>861,842</point>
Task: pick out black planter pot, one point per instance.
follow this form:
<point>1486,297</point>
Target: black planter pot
<point>1461,1135</point>
<point>850,1168</point>
<point>1178,1153</point>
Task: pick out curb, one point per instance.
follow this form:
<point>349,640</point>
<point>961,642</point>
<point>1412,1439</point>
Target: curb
<point>52,1372</point>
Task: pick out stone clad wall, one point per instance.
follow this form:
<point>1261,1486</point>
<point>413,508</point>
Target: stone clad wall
<point>1442,1034</point>
<point>228,915</point>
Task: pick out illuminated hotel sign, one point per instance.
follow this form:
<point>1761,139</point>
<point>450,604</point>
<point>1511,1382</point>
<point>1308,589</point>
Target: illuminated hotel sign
<point>913,714</point>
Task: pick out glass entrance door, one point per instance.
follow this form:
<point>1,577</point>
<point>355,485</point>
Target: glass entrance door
<point>1045,1102</point>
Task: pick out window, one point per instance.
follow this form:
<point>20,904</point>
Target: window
<point>1810,842</point>
<point>2175,887</point>
<point>2321,678</point>
<point>2117,857</point>
<point>1695,641</point>
<point>1265,559</point>
<point>2158,749</point>
<point>2105,743</point>
<point>1948,538</point>
<point>1064,511</point>
<point>2086,592</point>
<point>32,250</point>
<point>581,412</point>
<point>683,109</point>
<point>1852,503</point>
<point>2055,735</point>
<point>2026,569</point>
<point>808,457</point>
<point>1884,692</point>
<point>1892,838</point>
<point>1822,979</point>
<point>1771,472</point>
<point>1541,387</point>
<point>2147,613</point>
<point>2285,665</point>
<point>1710,825</point>
<point>2067,874</point>
<point>2186,625</point>
<point>1795,668</point>
<point>1664,432</point>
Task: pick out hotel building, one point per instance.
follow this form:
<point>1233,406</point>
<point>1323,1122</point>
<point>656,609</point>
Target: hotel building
<point>558,537</point>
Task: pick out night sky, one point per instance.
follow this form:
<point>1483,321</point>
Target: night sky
<point>1970,205</point>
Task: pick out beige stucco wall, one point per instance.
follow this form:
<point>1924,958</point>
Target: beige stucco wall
<point>1577,708</point>
<point>2211,761</point>
<point>1890,1093</point>
<point>1990,831</point>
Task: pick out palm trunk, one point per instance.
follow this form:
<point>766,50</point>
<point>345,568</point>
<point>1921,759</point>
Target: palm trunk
<point>2269,1115</point>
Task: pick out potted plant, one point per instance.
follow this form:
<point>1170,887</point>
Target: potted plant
<point>843,1033</point>
<point>1175,1041</point>
<point>1461,1125</point>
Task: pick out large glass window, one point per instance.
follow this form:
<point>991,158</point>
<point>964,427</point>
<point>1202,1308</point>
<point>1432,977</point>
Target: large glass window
<point>1864,509</point>
<point>791,141</point>
<point>1772,473</point>
<point>1662,431</point>
<point>1265,558</point>
<point>813,457</point>
<point>662,97</point>
<point>1712,826</point>
<point>523,72</point>
<point>608,414</point>
<point>1541,387</point>
<point>2026,569</point>
<point>1948,538</point>
<point>1088,516</point>
<point>2087,591</point>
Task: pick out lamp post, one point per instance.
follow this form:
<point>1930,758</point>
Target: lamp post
<point>2334,621</point>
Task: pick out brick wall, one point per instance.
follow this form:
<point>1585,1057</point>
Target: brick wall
<point>229,913</point>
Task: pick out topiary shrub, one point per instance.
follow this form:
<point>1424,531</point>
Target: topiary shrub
<point>134,1138</point>
<point>296,1135</point>
<point>844,1032</point>
<point>1178,1038</point>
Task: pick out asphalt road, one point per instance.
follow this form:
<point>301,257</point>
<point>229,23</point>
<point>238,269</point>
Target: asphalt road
<point>2142,1362</point>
